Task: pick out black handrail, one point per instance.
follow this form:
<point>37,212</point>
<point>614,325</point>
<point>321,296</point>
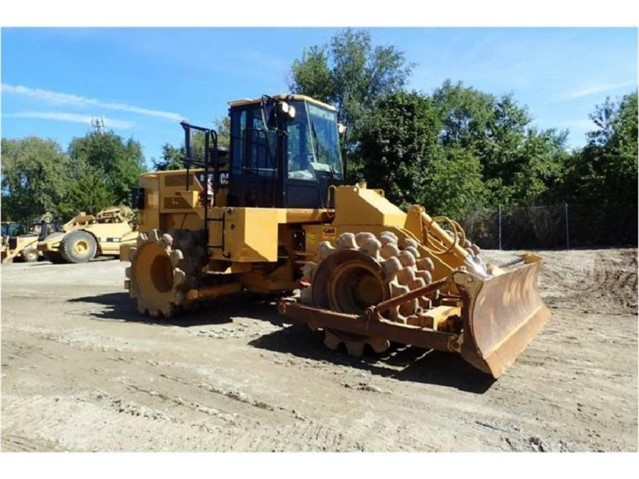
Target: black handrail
<point>210,136</point>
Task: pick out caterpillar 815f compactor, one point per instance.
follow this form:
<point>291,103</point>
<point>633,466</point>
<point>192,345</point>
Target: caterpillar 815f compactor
<point>272,214</point>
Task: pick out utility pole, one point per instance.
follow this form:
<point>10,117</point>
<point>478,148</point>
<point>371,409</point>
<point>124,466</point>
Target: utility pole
<point>98,125</point>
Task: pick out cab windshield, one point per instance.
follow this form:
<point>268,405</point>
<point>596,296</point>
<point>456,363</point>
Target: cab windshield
<point>313,143</point>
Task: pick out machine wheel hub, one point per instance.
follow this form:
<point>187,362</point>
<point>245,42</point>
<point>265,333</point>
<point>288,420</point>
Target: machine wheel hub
<point>364,270</point>
<point>163,268</point>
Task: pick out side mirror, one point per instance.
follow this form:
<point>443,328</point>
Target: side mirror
<point>269,117</point>
<point>137,198</point>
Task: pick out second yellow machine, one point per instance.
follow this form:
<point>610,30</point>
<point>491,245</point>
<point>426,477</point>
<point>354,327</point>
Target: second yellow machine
<point>272,214</point>
<point>87,236</point>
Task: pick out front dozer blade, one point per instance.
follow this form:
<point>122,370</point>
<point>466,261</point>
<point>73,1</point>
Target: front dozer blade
<point>503,314</point>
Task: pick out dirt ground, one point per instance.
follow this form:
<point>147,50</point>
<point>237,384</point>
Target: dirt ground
<point>82,371</point>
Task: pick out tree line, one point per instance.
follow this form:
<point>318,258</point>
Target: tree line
<point>457,149</point>
<point>453,150</point>
<point>98,170</point>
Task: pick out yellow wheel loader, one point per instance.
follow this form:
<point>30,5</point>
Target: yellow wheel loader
<point>24,247</point>
<point>87,236</point>
<point>20,248</point>
<point>273,214</point>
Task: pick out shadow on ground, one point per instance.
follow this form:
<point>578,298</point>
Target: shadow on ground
<point>119,306</point>
<point>400,363</point>
<point>43,262</point>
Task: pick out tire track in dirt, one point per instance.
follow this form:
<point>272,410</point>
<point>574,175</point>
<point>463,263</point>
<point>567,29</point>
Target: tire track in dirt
<point>604,277</point>
<point>257,425</point>
<point>614,279</point>
<point>227,405</point>
<point>309,436</point>
<point>13,353</point>
<point>155,399</point>
<point>15,422</point>
<point>16,443</point>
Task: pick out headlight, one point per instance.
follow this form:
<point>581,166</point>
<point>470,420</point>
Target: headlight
<point>287,109</point>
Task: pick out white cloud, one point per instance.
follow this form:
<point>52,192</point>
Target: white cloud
<point>593,89</point>
<point>58,98</point>
<point>70,117</point>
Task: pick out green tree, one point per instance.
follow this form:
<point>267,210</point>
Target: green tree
<point>605,170</point>
<point>172,157</point>
<point>404,155</point>
<point>465,114</point>
<point>352,74</point>
<point>87,192</point>
<point>117,161</point>
<point>453,184</point>
<point>519,163</point>
<point>33,177</point>
<point>539,165</point>
<point>223,129</point>
<point>398,142</point>
<point>311,75</point>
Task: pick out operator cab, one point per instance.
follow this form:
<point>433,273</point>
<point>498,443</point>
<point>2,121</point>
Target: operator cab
<point>284,152</point>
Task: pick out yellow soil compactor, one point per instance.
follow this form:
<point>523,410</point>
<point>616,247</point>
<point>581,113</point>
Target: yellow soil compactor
<point>272,214</point>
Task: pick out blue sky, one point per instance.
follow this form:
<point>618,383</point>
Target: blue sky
<point>144,80</point>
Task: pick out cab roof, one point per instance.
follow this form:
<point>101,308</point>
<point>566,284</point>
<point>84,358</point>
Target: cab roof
<point>281,96</point>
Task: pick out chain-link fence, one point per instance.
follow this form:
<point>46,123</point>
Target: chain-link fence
<point>554,227</point>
